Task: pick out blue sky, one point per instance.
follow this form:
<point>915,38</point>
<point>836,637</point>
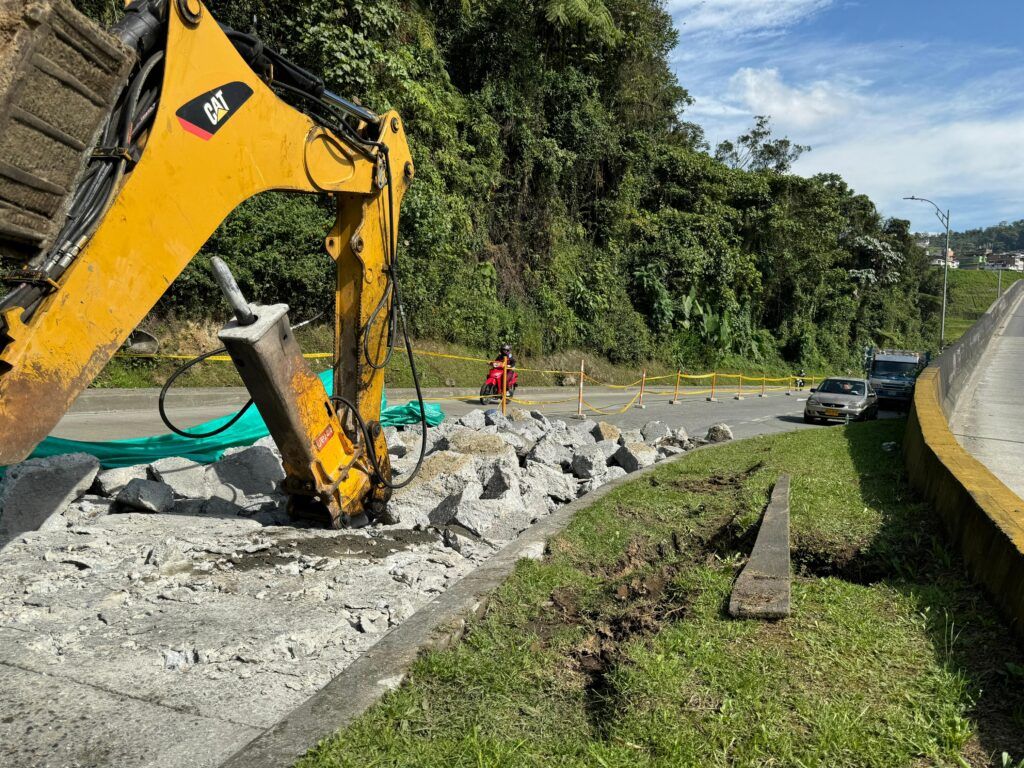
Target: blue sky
<point>901,97</point>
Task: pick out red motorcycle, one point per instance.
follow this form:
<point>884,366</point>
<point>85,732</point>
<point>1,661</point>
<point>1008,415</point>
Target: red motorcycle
<point>490,392</point>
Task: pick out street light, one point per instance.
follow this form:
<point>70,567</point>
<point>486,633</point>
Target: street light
<point>943,219</point>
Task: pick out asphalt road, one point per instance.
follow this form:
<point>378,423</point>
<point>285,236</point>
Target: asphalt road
<point>116,414</point>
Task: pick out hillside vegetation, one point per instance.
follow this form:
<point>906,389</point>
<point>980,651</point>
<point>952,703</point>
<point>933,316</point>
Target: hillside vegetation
<point>971,292</point>
<point>563,202</point>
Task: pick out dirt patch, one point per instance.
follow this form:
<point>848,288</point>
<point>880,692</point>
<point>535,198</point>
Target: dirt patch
<point>340,547</point>
<point>717,483</point>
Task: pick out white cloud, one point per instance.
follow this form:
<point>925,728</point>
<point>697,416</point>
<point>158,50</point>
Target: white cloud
<point>738,17</point>
<point>763,92</point>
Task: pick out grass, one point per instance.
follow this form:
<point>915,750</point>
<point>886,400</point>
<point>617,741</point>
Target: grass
<point>971,292</point>
<point>193,338</point>
<point>615,649</point>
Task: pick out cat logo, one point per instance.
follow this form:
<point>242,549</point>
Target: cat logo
<point>207,113</point>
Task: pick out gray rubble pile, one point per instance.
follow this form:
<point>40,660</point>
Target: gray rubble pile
<point>186,588</point>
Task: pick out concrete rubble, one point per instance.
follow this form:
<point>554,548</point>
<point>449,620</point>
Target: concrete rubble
<point>186,588</point>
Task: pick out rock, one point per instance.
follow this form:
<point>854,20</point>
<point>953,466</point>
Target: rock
<point>718,433</point>
<point>667,450</point>
<point>534,551</point>
<point>589,462</point>
<point>540,418</point>
<point>519,415</point>
<point>145,496</point>
<point>681,435</point>
<point>255,471</point>
<point>186,478</point>
<point>448,510</point>
<point>614,473</point>
<point>521,443</point>
<point>577,437</point>
<point>630,436</point>
<point>489,451</point>
<point>604,431</point>
<point>494,418</point>
<point>396,445</point>
<point>216,506</point>
<point>442,479</point>
<point>634,456</point>
<point>452,540</point>
<point>111,481</point>
<point>550,451</point>
<point>504,479</point>
<point>608,447</point>
<point>495,520</point>
<point>549,481</point>
<point>474,420</point>
<point>373,621</point>
<point>653,431</point>
<point>38,489</point>
<point>588,426</point>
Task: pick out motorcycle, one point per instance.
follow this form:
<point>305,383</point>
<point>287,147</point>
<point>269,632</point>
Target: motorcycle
<point>490,392</point>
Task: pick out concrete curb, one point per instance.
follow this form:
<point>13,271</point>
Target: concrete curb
<point>981,515</point>
<point>435,626</point>
<point>763,589</point>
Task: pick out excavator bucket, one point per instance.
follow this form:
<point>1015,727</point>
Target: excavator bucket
<point>59,77</point>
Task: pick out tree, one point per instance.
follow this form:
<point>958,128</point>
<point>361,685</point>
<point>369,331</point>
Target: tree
<point>758,151</point>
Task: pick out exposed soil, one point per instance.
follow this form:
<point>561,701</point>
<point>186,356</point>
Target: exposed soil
<point>340,546</point>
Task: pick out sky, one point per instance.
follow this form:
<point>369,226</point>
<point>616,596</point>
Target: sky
<point>900,97</point>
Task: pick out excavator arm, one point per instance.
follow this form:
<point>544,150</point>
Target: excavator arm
<point>218,132</point>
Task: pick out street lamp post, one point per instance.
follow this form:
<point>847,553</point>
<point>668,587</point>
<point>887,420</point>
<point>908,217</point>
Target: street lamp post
<point>944,219</point>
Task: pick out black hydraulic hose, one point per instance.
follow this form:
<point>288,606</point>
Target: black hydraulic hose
<point>170,382</point>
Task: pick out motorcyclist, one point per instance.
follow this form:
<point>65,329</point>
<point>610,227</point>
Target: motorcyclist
<point>506,355</point>
<point>800,380</point>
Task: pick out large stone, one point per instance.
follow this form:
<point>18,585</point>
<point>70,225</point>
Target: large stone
<point>608,447</point>
<point>681,435</point>
<point>630,436</point>
<point>719,433</point>
<point>113,480</point>
<point>549,481</point>
<point>494,418</point>
<point>605,431</point>
<point>88,509</point>
<point>255,471</point>
<point>519,415</point>
<point>667,450</point>
<point>474,420</point>
<point>502,480</point>
<point>499,519</point>
<point>551,451</point>
<point>634,456</point>
<point>540,418</point>
<point>589,462</point>
<point>186,477</point>
<point>653,431</point>
<point>489,451</point>
<point>442,480</point>
<point>578,437</point>
<point>145,496</point>
<point>521,443</point>
<point>36,490</point>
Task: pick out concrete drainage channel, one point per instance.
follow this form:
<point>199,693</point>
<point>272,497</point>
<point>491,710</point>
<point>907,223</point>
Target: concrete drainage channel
<point>169,614</point>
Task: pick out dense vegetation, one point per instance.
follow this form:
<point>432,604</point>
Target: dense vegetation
<point>562,201</point>
<point>1005,236</point>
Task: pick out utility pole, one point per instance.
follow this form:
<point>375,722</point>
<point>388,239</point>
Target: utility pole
<point>999,290</point>
<point>944,219</point>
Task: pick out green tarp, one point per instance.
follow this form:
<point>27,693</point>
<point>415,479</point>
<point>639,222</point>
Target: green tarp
<point>248,429</point>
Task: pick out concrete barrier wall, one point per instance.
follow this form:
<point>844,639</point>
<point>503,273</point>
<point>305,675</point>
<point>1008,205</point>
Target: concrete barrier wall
<point>982,517</point>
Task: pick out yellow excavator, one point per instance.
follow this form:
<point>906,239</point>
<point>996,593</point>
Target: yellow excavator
<point>121,151</point>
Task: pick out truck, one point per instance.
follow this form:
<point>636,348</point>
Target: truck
<point>893,373</point>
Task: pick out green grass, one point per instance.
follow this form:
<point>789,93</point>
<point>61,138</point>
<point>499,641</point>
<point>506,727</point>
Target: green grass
<point>614,651</point>
<point>971,292</point>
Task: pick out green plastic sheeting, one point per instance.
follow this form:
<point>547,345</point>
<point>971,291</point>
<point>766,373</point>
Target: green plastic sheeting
<point>248,429</point>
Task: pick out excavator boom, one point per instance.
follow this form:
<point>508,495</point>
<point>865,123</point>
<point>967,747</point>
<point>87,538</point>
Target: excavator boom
<point>218,131</point>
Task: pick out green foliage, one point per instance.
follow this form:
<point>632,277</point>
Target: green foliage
<point>561,200</point>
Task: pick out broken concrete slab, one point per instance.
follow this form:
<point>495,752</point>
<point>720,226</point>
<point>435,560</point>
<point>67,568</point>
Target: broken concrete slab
<point>653,431</point>
<point>604,431</point>
<point>634,456</point>
<point>251,472</point>
<point>186,478</point>
<point>473,420</point>
<point>763,588</point>
<point>589,462</point>
<point>551,451</point>
<point>109,482</point>
<point>550,481</point>
<point>35,490</point>
<point>145,496</point>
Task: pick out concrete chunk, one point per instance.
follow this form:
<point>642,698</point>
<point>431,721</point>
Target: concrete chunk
<point>255,471</point>
<point>186,478</point>
<point>38,489</point>
<point>718,433</point>
<point>145,496</point>
<point>605,431</point>
<point>108,483</point>
<point>763,589</point>
<point>634,456</point>
<point>550,481</point>
<point>653,431</point>
<point>589,462</point>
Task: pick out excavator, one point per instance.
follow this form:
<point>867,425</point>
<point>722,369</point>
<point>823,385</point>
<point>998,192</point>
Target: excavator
<point>121,152</point>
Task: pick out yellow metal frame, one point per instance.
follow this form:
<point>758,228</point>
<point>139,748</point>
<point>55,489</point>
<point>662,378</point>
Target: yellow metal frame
<point>167,208</point>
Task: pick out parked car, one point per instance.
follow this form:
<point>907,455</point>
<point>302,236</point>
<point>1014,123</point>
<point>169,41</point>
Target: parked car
<point>841,399</point>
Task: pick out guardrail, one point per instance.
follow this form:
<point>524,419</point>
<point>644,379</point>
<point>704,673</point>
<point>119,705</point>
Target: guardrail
<point>981,515</point>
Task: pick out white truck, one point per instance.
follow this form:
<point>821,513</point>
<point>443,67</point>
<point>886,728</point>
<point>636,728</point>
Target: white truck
<point>893,373</point>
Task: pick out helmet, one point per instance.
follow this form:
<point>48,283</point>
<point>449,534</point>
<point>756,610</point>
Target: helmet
<point>506,349</point>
